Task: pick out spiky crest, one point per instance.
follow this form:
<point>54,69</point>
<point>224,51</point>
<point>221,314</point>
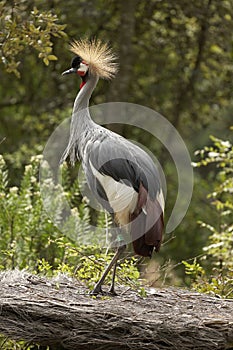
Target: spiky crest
<point>98,55</point>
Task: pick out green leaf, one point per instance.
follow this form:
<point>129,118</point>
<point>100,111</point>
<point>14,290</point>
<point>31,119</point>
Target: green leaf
<point>46,61</point>
<point>52,58</point>
<point>216,49</point>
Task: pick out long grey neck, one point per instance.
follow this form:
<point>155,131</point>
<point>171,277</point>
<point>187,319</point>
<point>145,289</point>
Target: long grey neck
<point>81,121</point>
<point>82,99</point>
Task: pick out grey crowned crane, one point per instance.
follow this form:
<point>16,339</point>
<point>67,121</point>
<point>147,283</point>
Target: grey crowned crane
<point>121,175</point>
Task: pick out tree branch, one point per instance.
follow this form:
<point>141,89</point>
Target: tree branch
<point>59,313</point>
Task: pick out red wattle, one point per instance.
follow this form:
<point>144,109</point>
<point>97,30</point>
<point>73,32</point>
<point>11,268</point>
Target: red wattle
<point>82,84</point>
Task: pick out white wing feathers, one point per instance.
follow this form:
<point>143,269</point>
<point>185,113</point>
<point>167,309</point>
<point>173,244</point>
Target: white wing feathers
<point>122,198</point>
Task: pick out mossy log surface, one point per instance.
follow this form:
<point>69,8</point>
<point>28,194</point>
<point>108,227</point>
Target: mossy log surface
<point>60,313</point>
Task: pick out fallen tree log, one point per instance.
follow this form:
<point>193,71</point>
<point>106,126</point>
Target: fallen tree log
<point>59,313</point>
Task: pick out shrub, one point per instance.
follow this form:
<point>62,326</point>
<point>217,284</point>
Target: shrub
<point>214,271</point>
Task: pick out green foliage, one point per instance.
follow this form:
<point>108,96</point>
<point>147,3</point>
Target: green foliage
<point>8,344</point>
<point>24,227</point>
<point>217,276</point>
<point>86,262</point>
<point>194,269</point>
<point>23,28</point>
<point>30,239</point>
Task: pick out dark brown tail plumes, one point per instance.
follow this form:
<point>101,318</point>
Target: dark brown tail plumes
<point>147,224</point>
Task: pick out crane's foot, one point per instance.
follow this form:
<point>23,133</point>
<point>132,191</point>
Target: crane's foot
<point>98,290</point>
<point>112,291</point>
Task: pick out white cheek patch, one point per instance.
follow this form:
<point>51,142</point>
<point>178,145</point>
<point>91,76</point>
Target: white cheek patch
<point>83,68</point>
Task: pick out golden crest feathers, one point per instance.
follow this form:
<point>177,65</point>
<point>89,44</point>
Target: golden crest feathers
<point>98,55</point>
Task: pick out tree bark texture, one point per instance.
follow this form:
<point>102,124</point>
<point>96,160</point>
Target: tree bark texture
<point>61,314</point>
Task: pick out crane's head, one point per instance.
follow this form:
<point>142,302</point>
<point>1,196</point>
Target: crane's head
<point>78,66</point>
<point>92,57</point>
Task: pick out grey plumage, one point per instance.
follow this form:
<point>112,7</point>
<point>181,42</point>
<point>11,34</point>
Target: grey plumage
<point>122,176</point>
<point>82,127</point>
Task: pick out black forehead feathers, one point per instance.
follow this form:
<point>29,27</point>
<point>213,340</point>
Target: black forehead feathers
<point>75,63</point>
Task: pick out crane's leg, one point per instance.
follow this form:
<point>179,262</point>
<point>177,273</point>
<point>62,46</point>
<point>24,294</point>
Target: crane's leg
<point>112,287</point>
<point>97,289</point>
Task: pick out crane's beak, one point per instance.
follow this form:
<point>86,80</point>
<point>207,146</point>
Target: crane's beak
<point>69,71</point>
